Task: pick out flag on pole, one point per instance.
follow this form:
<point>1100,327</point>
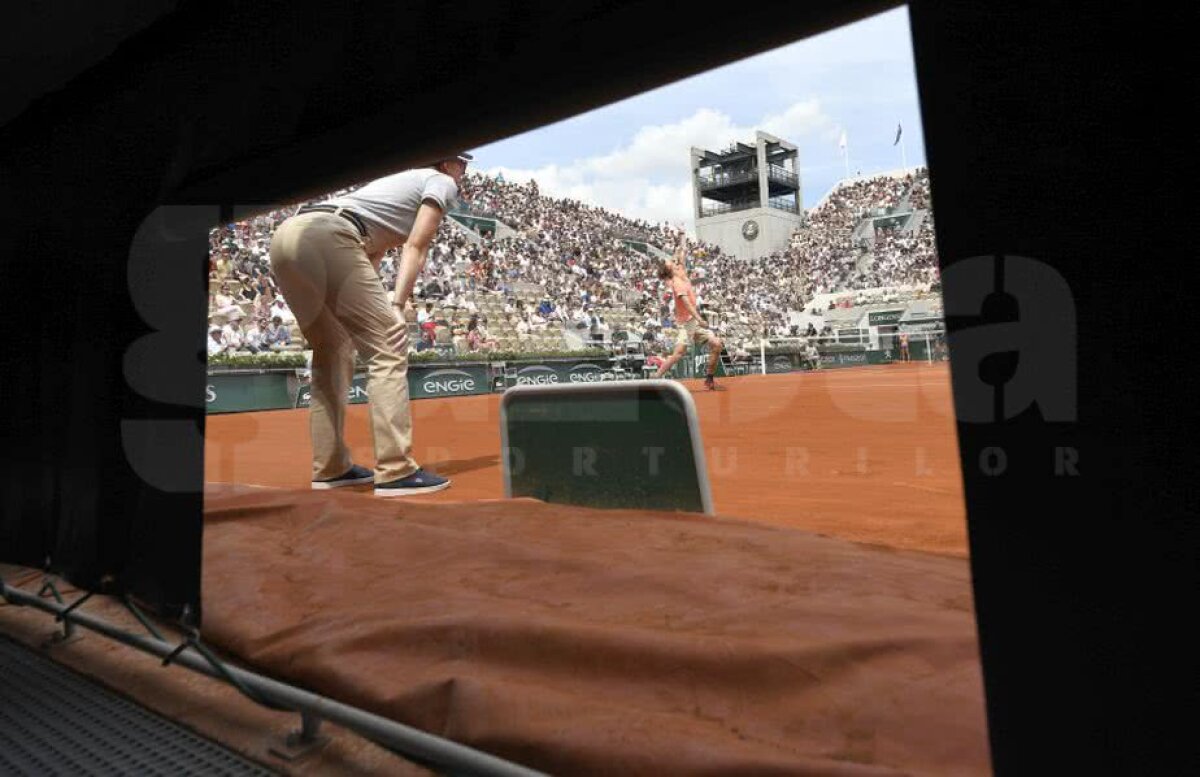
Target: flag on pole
<point>898,131</point>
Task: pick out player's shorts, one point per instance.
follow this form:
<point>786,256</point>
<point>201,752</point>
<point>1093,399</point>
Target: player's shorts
<point>691,332</point>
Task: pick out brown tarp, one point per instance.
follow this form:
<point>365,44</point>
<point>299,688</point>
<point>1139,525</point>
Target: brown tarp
<point>592,642</point>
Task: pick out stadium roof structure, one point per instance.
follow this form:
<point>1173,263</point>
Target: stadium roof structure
<point>742,152</point>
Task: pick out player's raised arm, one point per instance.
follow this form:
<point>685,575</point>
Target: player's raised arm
<point>681,253</point>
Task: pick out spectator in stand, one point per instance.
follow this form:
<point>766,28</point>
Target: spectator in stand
<point>280,309</point>
<point>223,302</point>
<point>477,337</point>
<point>278,334</point>
<point>262,305</point>
<point>248,293</point>
<point>216,341</point>
<point>427,339</point>
<point>255,340</point>
<point>556,234</point>
<point>232,334</point>
<point>425,313</point>
<point>433,289</point>
<point>429,329</point>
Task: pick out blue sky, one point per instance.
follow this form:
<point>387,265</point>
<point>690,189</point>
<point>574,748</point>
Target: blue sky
<point>632,156</point>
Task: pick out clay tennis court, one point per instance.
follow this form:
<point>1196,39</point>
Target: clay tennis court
<point>866,454</point>
<point>821,623</point>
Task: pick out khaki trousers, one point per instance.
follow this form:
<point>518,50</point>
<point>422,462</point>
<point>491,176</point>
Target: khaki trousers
<point>321,266</point>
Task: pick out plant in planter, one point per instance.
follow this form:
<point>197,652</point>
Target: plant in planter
<point>258,361</point>
<point>433,357</point>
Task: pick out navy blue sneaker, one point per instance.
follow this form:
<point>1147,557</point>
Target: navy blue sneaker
<point>419,482</point>
<point>355,477</point>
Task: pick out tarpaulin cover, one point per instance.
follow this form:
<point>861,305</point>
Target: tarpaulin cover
<point>577,641</point>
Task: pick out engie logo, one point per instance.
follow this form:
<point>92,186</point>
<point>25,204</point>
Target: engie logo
<point>536,376</point>
<point>210,393</point>
<point>448,382</point>
<point>355,393</point>
<point>781,363</point>
<point>589,373</point>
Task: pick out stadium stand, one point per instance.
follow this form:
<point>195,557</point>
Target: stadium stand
<point>541,274</point>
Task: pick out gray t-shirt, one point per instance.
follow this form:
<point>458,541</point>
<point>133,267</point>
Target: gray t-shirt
<point>389,205</point>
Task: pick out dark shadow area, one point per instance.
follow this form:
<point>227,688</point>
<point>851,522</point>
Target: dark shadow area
<point>1033,152</point>
<point>458,466</point>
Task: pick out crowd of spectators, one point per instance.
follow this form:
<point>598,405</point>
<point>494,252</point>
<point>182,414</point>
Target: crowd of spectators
<point>584,260</point>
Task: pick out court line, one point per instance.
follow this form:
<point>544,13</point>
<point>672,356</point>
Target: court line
<point>880,385</point>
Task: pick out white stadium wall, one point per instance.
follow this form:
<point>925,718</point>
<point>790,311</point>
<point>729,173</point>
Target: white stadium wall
<point>729,231</point>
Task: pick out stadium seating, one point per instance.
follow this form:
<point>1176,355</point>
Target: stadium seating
<point>588,261</point>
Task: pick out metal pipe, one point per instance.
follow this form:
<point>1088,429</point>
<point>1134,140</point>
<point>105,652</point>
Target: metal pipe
<point>404,739</point>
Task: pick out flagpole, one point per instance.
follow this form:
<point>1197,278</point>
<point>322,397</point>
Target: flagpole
<point>845,146</point>
<point>903,149</point>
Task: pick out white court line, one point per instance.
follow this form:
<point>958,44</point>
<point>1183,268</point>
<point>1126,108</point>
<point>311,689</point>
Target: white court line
<point>845,386</point>
<point>247,485</point>
<point>878,385</point>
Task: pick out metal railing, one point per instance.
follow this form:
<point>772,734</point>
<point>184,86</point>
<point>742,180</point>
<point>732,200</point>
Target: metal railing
<point>727,178</point>
<point>775,172</point>
<point>193,654</point>
<point>728,207</point>
<point>933,342</point>
<point>782,175</point>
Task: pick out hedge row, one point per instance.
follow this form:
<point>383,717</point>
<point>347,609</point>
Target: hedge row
<point>293,359</point>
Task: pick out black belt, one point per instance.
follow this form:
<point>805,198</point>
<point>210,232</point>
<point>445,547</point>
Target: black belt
<point>349,215</point>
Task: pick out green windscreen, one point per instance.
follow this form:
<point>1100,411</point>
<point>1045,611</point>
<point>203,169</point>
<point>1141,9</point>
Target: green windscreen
<point>620,448</point>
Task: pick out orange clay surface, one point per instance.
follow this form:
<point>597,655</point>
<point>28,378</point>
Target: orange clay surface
<point>867,453</point>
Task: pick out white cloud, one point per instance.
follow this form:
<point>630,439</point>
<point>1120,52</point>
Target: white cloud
<point>649,177</point>
<point>801,120</point>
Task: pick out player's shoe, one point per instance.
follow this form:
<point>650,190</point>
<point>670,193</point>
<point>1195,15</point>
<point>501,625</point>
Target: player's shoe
<point>419,482</point>
<point>710,383</point>
<point>354,477</point>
